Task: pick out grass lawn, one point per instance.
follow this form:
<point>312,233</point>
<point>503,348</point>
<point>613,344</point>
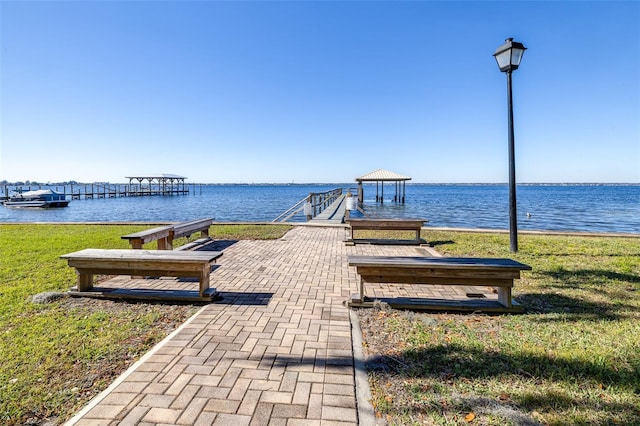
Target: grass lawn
<point>572,359</point>
<point>55,357</point>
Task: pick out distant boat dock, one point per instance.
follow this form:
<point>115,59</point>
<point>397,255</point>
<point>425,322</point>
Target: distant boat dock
<point>138,186</point>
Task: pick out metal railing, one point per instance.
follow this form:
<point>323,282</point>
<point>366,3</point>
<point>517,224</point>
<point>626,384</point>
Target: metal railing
<point>292,211</point>
<point>321,200</point>
<point>311,206</point>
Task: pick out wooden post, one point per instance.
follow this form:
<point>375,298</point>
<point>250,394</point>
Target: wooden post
<point>404,189</point>
<point>204,280</point>
<point>163,244</point>
<point>85,280</point>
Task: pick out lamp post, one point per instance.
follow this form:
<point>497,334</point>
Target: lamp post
<point>508,57</point>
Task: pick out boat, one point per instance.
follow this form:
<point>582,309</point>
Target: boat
<point>44,198</point>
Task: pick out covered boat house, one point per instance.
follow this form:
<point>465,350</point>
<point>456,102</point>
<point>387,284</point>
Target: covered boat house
<point>381,176</point>
<point>160,184</point>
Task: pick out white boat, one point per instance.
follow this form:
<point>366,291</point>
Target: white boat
<point>41,198</point>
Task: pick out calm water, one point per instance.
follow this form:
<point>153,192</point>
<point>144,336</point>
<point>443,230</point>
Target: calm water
<point>591,208</point>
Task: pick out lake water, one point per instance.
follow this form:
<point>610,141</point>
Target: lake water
<point>589,208</point>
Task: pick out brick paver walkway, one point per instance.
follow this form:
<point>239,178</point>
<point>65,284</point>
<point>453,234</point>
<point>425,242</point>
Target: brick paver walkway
<point>277,350</point>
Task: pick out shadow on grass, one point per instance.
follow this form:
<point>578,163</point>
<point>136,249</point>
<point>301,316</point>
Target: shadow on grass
<point>456,365</point>
<point>618,290</point>
<point>578,279</point>
<point>574,309</point>
<point>454,360</point>
<point>621,414</point>
<point>560,401</point>
<point>584,255</point>
<point>441,243</point>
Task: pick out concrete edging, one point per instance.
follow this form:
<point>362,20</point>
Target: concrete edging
<point>366,415</point>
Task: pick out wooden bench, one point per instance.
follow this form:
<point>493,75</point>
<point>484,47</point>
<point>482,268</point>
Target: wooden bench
<point>160,234</point>
<point>386,225</point>
<point>194,244</point>
<point>456,271</point>
<point>186,229</point>
<point>166,234</point>
<point>169,263</point>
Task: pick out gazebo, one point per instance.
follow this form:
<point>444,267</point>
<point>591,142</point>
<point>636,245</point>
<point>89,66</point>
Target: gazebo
<point>381,176</point>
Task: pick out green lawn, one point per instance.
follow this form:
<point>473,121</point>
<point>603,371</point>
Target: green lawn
<point>54,357</point>
<point>572,359</point>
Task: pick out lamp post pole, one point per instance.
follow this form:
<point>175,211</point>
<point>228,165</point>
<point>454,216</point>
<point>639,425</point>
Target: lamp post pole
<point>508,57</point>
<point>513,217</point>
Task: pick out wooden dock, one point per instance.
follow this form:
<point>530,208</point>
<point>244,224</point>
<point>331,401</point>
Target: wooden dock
<point>93,190</point>
<point>333,214</point>
<point>138,186</point>
<point>97,190</point>
<point>323,207</point>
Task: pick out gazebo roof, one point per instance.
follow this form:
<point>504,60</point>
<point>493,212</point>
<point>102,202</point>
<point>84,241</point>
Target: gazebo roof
<point>381,175</point>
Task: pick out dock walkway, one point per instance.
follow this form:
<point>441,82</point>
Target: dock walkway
<point>276,350</point>
<point>334,214</point>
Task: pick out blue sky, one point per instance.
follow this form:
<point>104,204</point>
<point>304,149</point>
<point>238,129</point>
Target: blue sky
<point>317,91</point>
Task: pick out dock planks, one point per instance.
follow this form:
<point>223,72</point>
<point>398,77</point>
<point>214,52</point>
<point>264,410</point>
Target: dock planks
<point>333,214</point>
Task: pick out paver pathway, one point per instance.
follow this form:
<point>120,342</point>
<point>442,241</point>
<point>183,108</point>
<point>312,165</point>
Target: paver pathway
<point>275,351</point>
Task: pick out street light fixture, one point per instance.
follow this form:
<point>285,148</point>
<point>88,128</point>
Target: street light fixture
<point>508,57</point>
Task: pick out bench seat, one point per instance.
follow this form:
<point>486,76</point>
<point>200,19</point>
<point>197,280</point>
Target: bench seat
<point>90,262</point>
<point>166,234</point>
<point>160,234</point>
<point>456,271</point>
<point>398,224</point>
<point>194,244</point>
<point>185,229</point>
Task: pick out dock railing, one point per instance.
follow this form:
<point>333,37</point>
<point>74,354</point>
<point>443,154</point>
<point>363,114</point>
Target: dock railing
<point>292,211</point>
<point>311,206</point>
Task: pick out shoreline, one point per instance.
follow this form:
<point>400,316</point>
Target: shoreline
<point>427,228</point>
